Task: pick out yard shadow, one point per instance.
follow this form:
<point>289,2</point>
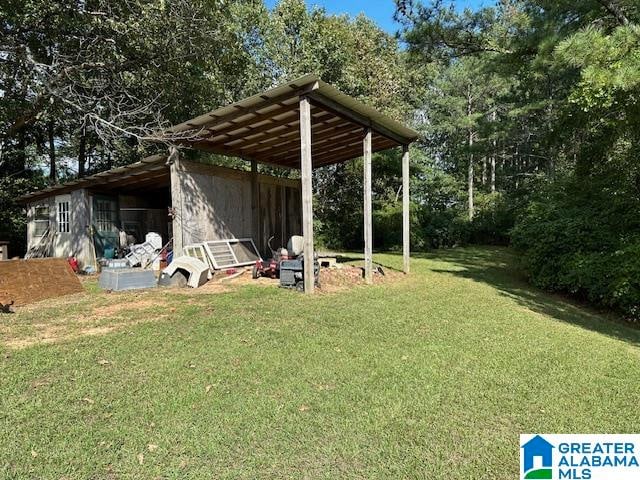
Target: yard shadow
<point>497,266</point>
<point>350,258</point>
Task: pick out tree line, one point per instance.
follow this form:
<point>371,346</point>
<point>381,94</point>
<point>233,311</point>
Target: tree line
<point>528,113</point>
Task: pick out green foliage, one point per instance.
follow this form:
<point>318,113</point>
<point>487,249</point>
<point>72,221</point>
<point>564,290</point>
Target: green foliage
<point>556,106</point>
<point>13,217</point>
<point>582,236</point>
<point>609,66</point>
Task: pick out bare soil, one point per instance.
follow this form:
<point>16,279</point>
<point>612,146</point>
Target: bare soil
<point>27,281</point>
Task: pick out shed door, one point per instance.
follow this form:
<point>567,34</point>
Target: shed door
<point>62,222</point>
<point>105,224</point>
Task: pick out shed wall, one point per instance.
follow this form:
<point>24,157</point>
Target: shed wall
<point>76,242</point>
<point>213,203</point>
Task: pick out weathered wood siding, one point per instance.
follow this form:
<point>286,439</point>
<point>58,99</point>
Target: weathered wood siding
<point>215,203</point>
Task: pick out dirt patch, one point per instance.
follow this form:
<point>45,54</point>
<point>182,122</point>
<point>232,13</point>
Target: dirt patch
<point>29,281</point>
<point>88,314</point>
<point>48,334</point>
<point>346,276</point>
<point>115,308</point>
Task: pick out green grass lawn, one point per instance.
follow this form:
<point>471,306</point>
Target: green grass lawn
<point>433,376</point>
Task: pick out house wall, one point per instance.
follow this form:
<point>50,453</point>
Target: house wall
<point>212,203</point>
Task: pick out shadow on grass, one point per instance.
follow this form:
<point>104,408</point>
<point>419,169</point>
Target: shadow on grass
<point>497,267</point>
<point>351,259</point>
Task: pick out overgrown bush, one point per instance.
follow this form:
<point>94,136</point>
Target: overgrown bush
<point>582,236</point>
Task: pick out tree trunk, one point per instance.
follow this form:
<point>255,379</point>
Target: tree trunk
<point>470,144</point>
<point>484,171</point>
<point>493,173</point>
<point>82,152</point>
<point>52,152</point>
<point>493,157</point>
<point>517,167</point>
<point>20,165</point>
<point>470,176</point>
<point>614,9</point>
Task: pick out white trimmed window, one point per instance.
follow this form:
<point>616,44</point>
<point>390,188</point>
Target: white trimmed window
<point>40,219</point>
<point>64,214</point>
<point>106,215</point>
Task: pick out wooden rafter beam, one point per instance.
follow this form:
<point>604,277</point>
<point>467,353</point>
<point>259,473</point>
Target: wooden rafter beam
<point>335,154</point>
<point>342,156</point>
<point>281,138</point>
<point>324,147</point>
<point>240,111</point>
<point>270,138</point>
<point>258,118</point>
<point>257,134</point>
<point>136,180</point>
<point>332,106</point>
<point>319,137</point>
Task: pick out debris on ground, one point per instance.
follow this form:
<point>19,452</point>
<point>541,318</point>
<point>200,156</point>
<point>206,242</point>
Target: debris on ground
<point>32,280</point>
<point>346,276</point>
<point>6,308</point>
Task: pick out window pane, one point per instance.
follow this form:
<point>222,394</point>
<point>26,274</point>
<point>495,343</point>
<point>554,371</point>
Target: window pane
<point>106,215</point>
<point>41,219</point>
<point>41,227</point>
<point>42,212</point>
<point>63,217</point>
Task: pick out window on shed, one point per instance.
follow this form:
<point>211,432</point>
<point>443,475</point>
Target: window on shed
<point>64,215</point>
<point>106,215</point>
<point>40,219</point>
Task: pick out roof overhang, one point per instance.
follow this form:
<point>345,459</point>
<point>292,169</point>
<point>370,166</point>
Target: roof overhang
<point>265,127</point>
<point>147,172</point>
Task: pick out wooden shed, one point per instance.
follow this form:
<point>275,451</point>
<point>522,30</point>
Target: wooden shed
<point>303,124</point>
<point>189,202</point>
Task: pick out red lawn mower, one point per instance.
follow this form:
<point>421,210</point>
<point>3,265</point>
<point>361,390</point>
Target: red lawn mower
<point>270,267</point>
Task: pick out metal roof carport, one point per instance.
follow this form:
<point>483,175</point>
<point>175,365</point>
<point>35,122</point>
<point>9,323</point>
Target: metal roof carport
<point>305,124</point>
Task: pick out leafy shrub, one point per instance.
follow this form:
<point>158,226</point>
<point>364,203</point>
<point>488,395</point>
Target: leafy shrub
<point>582,236</point>
<point>493,219</point>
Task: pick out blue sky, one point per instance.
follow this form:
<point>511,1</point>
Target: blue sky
<point>379,10</point>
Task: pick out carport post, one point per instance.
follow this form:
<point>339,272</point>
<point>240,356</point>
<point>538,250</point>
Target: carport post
<point>306,167</point>
<point>255,207</point>
<point>368,234</point>
<point>406,245</point>
<point>176,201</point>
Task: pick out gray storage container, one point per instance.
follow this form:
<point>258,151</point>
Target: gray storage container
<point>118,279</point>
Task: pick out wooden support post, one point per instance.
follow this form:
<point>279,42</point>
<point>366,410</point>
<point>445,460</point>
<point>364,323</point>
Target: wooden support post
<point>368,230</point>
<point>177,226</point>
<point>306,167</point>
<point>256,232</point>
<point>406,246</point>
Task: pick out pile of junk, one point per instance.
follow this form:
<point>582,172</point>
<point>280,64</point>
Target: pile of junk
<point>134,265</point>
<point>287,264</point>
<point>200,262</point>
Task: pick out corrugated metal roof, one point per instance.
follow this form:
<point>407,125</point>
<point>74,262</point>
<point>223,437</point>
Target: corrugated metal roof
<point>314,84</point>
<point>145,163</point>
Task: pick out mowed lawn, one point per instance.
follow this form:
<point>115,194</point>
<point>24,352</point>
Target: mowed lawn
<point>433,376</point>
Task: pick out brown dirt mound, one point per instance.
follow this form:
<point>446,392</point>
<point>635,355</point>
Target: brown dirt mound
<point>344,277</point>
<point>28,281</point>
